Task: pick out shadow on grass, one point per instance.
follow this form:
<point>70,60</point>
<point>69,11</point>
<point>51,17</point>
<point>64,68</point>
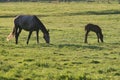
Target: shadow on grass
<point>104,12</point>
<point>14,15</point>
<point>60,46</point>
<point>7,16</point>
<point>4,78</point>
<point>115,43</point>
<point>80,46</point>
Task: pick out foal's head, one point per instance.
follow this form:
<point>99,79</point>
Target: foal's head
<point>47,37</point>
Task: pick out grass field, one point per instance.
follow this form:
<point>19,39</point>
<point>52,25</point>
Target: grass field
<point>66,57</point>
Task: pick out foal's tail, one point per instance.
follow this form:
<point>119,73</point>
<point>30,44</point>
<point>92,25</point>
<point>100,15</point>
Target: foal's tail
<point>11,35</point>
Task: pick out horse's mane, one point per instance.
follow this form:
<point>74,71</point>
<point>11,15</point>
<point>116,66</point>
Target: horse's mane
<point>41,25</point>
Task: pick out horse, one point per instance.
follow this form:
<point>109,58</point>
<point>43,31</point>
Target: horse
<point>95,28</point>
<point>28,23</point>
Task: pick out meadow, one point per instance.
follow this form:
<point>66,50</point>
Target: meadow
<point>67,57</point>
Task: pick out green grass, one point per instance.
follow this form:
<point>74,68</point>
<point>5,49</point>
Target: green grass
<point>66,57</point>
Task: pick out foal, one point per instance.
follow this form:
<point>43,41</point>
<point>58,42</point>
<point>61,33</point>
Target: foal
<point>95,28</point>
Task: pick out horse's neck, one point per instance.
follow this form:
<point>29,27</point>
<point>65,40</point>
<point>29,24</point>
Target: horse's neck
<point>43,29</point>
<point>41,25</point>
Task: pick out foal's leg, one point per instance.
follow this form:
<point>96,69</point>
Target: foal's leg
<point>29,36</point>
<point>37,34</point>
<point>101,38</point>
<point>98,36</point>
<point>86,34</point>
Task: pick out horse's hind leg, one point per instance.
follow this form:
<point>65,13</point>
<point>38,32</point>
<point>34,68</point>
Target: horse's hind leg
<point>86,34</point>
<point>16,35</point>
<point>37,34</point>
<point>97,37</point>
<point>17,32</point>
<point>29,36</point>
<point>101,37</point>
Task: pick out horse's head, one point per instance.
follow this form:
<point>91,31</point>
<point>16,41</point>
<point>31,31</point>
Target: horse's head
<point>47,37</point>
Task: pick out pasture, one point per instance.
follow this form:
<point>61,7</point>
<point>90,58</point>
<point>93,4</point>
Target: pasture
<point>67,57</point>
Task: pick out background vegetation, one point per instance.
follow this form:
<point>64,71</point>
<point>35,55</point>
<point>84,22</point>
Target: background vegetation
<point>103,1</point>
<point>67,57</point>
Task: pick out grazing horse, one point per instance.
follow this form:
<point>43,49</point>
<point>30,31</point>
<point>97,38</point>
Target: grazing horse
<point>29,23</point>
<point>95,28</point>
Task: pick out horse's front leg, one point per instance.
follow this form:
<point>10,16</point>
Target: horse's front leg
<point>37,35</point>
<point>86,34</point>
<point>29,36</point>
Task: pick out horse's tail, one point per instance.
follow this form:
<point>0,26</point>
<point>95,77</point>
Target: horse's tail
<point>11,35</point>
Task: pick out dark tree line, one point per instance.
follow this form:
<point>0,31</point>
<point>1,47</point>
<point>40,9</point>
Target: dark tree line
<point>103,1</point>
<point>38,0</point>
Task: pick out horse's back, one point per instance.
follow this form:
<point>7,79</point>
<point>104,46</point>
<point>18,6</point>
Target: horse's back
<point>92,27</point>
<point>25,18</point>
<point>26,22</point>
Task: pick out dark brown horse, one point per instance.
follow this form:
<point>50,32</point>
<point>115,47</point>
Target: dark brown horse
<point>29,23</point>
<point>94,28</point>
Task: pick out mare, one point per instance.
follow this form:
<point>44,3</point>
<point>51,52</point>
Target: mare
<point>95,28</point>
<point>29,23</point>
